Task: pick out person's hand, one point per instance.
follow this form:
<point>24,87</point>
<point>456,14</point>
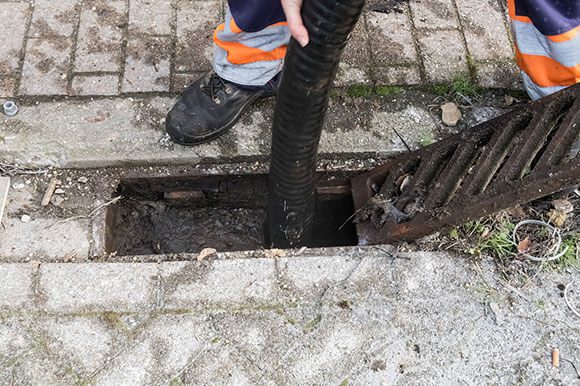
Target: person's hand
<point>292,10</point>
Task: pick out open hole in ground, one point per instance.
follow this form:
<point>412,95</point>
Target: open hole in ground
<point>227,212</point>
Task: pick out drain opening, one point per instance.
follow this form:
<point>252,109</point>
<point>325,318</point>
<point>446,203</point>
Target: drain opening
<point>228,213</point>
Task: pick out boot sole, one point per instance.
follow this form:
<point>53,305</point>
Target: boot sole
<point>193,141</point>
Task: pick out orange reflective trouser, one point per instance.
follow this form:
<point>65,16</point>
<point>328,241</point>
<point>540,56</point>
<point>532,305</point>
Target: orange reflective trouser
<point>547,43</point>
<point>251,43</point>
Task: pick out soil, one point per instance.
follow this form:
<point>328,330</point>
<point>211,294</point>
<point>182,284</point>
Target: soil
<point>156,227</point>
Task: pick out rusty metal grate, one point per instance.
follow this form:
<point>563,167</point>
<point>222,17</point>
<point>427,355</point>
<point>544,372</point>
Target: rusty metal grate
<point>518,157</point>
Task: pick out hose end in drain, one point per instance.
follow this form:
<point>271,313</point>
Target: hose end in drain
<point>300,108</point>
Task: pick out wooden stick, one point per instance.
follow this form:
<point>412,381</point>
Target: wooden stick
<point>4,186</point>
<point>49,192</point>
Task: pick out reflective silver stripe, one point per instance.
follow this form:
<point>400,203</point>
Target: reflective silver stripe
<point>530,41</point>
<point>250,74</point>
<point>535,91</point>
<point>267,39</point>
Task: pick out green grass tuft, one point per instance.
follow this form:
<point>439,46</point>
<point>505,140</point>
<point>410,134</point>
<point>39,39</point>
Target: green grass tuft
<point>461,85</point>
<point>427,138</point>
<point>387,90</point>
<point>359,91</point>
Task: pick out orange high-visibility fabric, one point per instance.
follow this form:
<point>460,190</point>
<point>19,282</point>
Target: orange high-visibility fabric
<point>241,54</point>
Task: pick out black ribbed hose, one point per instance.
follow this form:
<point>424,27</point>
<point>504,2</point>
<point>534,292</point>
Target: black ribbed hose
<point>300,108</point>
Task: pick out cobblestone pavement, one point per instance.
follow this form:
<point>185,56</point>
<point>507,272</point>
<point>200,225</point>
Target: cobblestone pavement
<point>360,318</point>
<point>118,47</point>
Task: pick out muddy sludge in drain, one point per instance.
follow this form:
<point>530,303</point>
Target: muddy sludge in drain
<point>165,215</point>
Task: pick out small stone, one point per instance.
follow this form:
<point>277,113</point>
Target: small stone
<point>83,180</point>
<point>57,200</point>
<point>25,218</point>
<point>59,191</point>
<point>509,100</point>
<point>450,114</point>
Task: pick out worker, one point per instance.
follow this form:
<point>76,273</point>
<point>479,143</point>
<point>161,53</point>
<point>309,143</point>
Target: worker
<point>251,45</point>
<point>250,49</point>
<point>547,43</point>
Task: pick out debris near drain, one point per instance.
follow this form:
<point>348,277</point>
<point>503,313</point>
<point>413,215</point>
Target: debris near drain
<point>4,187</point>
<point>513,159</point>
<point>450,114</point>
<point>274,253</point>
<point>559,213</point>
<point>555,357</point>
<point>567,289</point>
<point>542,241</point>
<point>49,192</point>
<point>205,253</point>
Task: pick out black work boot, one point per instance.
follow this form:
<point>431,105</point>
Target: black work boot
<point>210,106</point>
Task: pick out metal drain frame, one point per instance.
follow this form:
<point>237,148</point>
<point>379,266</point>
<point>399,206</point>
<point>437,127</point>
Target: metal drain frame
<point>512,159</point>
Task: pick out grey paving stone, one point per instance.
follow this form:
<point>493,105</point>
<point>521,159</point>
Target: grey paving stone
<point>434,14</point>
<point>486,37</point>
<point>307,278</point>
<point>44,239</point>
<point>151,17</point>
<point>391,38</point>
<point>444,55</point>
<point>14,17</point>
<point>196,21</point>
<point>15,286</point>
<point>16,347</point>
<point>7,87</point>
<point>355,61</point>
<point>84,343</point>
<point>378,135</point>
<point>166,347</point>
<point>98,287</point>
<point>264,337</point>
<point>95,85</point>
<point>335,343</point>
<point>147,65</point>
<point>181,81</point>
<point>46,66</point>
<point>397,75</point>
<point>224,364</point>
<point>100,36</point>
<point>221,283</point>
<point>499,75</point>
<point>79,134</point>
<point>54,18</point>
<point>252,135</point>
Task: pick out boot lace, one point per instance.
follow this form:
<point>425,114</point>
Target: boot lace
<point>214,85</point>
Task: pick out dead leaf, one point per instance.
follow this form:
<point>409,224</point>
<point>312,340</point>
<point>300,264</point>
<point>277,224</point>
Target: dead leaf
<point>101,116</point>
<point>524,245</point>
<point>557,217</point>
<point>205,253</point>
<point>517,212</point>
<point>274,253</point>
<point>563,205</point>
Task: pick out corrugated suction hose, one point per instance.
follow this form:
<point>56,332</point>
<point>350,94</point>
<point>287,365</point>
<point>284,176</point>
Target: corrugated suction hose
<point>300,108</point>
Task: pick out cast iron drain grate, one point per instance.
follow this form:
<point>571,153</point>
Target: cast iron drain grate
<point>515,158</point>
